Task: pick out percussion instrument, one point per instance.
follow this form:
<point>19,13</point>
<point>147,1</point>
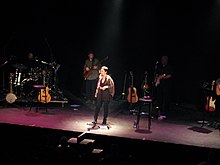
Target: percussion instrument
<point>11,97</point>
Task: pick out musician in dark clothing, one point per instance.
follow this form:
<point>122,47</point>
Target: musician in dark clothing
<point>216,99</point>
<point>104,93</point>
<point>34,67</point>
<point>163,85</point>
<point>32,75</point>
<point>91,74</point>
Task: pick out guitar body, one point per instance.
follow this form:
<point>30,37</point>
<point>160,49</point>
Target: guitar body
<point>157,81</point>
<point>211,105</point>
<point>87,73</point>
<point>44,96</point>
<point>132,95</point>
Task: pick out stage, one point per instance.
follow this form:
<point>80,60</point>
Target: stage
<point>180,131</point>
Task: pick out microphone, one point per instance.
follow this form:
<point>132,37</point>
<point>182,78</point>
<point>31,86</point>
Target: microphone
<point>157,62</point>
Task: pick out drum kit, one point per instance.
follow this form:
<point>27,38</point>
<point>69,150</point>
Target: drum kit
<point>23,78</point>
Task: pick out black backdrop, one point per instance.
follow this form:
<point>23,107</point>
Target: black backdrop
<point>133,34</point>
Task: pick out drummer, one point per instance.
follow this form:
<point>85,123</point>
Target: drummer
<point>31,61</point>
<point>33,67</point>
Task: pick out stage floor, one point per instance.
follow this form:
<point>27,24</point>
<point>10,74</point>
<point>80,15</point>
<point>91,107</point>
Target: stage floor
<point>180,127</point>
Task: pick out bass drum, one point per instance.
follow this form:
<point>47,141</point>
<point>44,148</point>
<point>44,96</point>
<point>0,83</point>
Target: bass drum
<point>27,87</point>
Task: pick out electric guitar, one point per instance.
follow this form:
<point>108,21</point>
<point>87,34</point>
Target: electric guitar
<point>158,79</point>
<point>210,106</point>
<point>132,92</point>
<point>86,74</point>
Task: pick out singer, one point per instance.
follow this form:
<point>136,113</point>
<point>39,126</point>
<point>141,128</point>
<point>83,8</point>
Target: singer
<point>104,93</point>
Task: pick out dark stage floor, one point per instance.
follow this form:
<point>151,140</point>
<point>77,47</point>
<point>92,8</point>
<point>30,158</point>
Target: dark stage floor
<point>181,129</point>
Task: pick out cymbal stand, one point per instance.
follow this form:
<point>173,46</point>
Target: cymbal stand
<point>55,82</point>
<point>4,55</point>
<point>124,85</point>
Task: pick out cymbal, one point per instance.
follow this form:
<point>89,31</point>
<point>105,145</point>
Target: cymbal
<point>19,66</point>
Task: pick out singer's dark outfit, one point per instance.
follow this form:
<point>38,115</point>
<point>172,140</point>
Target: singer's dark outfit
<point>104,97</point>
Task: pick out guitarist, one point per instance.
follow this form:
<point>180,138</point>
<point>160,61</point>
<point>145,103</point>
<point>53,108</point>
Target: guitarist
<point>216,99</point>
<point>163,85</point>
<point>91,74</point>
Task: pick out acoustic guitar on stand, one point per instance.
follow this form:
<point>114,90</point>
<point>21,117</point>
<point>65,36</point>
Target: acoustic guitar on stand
<point>44,95</point>
<point>132,92</point>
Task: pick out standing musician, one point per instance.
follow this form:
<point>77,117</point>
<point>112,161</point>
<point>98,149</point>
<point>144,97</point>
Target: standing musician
<point>91,74</point>
<point>216,100</point>
<point>104,93</point>
<point>163,84</point>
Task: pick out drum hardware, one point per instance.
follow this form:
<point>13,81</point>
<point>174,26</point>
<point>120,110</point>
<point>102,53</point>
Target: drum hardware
<point>27,86</point>
<point>18,73</point>
<point>11,97</point>
<point>35,73</point>
<point>17,81</point>
<point>19,66</point>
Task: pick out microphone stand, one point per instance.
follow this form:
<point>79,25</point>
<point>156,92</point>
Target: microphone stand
<point>54,73</point>
<point>51,58</point>
<point>125,80</point>
<point>155,70</point>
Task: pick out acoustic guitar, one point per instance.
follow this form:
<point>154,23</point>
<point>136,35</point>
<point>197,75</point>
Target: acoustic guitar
<point>210,106</point>
<point>145,85</point>
<point>132,92</point>
<point>86,74</point>
<point>44,95</point>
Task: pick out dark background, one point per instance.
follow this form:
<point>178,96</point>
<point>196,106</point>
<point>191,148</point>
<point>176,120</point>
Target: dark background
<point>134,34</point>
